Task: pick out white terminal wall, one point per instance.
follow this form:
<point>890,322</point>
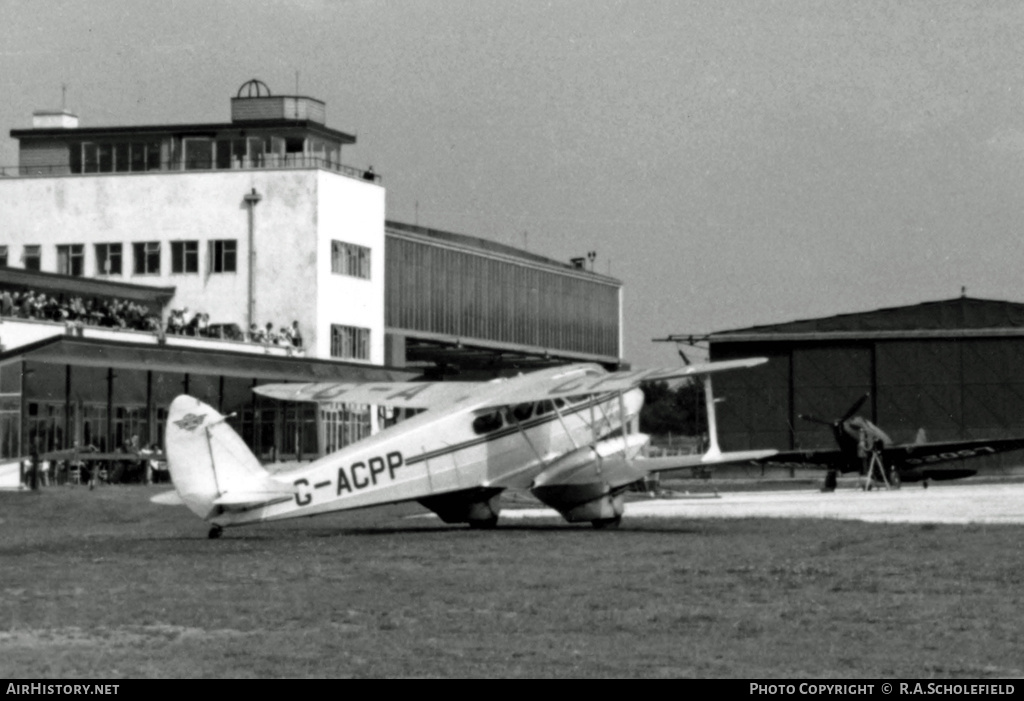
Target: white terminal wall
<point>299,213</point>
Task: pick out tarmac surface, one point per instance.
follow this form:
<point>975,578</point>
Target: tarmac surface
<point>949,503</point>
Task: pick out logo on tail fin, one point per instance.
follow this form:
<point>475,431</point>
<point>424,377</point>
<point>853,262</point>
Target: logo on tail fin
<point>190,422</point>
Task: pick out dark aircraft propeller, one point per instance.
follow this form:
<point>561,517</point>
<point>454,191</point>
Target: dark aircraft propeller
<point>838,422</point>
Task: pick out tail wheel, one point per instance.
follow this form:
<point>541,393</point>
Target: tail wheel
<point>215,532</point>
<point>604,523</point>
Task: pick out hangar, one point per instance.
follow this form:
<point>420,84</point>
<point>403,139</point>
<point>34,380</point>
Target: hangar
<point>952,367</point>
<point>257,223</point>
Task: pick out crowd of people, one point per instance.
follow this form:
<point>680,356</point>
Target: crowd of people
<point>285,336</point>
<point>111,313</point>
<point>122,314</point>
<point>177,325</point>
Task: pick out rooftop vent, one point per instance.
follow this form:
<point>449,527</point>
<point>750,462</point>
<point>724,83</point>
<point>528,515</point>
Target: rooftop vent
<point>54,119</point>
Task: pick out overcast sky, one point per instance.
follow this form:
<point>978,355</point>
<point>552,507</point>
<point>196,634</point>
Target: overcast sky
<point>733,162</point>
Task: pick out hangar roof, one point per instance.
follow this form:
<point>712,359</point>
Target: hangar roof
<point>958,317</point>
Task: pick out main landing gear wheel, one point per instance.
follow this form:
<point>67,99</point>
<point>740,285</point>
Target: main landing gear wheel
<point>215,532</point>
<point>601,523</point>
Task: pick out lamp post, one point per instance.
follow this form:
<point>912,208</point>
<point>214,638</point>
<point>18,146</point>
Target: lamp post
<point>251,200</point>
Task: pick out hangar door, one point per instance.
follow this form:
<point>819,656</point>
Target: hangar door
<point>752,405</point>
<point>918,386</point>
<point>993,387</point>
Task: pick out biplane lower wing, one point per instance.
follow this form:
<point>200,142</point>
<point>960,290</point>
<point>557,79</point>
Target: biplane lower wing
<point>686,462</point>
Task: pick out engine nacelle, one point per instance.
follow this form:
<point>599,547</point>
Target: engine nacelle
<point>585,484</point>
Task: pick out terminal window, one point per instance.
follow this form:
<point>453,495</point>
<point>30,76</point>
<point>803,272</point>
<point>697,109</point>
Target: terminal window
<point>350,342</point>
<point>32,257</point>
<point>184,257</point>
<point>198,154</point>
<point>126,156</point>
<point>350,259</point>
<point>147,258</point>
<point>71,259</point>
<point>108,259</point>
<point>224,256</point>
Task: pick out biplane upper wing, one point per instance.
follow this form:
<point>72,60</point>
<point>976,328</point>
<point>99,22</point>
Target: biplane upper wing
<point>574,381</point>
<point>590,379</point>
<point>412,395</point>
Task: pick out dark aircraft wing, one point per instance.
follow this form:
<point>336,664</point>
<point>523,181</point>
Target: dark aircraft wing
<point>920,455</point>
<point>909,457</point>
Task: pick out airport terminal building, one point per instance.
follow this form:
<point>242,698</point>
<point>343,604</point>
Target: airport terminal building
<point>249,224</point>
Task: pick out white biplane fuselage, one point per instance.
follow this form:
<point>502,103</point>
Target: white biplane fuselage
<point>560,432</point>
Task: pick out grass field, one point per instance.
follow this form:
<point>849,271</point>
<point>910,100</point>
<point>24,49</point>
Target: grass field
<point>105,584</point>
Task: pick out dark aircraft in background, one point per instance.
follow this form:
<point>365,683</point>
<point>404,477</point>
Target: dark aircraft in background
<point>920,461</point>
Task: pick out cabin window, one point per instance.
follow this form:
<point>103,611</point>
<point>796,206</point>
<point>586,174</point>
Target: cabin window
<point>522,412</point>
<point>487,423</point>
<point>108,259</point>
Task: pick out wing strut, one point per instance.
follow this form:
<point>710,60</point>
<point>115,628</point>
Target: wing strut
<point>561,420</point>
<point>714,451</point>
<point>526,438</point>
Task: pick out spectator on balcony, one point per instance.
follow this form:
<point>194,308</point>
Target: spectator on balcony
<point>6,304</point>
<point>269,336</point>
<point>192,328</point>
<point>296,335</point>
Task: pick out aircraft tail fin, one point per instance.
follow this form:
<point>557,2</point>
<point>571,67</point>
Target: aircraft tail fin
<point>921,438</point>
<point>211,467</point>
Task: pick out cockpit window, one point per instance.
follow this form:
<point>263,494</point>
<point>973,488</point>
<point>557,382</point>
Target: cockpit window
<point>522,411</point>
<point>486,423</point>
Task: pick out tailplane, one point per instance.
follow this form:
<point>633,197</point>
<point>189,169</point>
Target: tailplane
<point>212,469</point>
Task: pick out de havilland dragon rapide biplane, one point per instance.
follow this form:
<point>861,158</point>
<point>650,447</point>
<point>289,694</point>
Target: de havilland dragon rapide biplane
<point>561,433</point>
